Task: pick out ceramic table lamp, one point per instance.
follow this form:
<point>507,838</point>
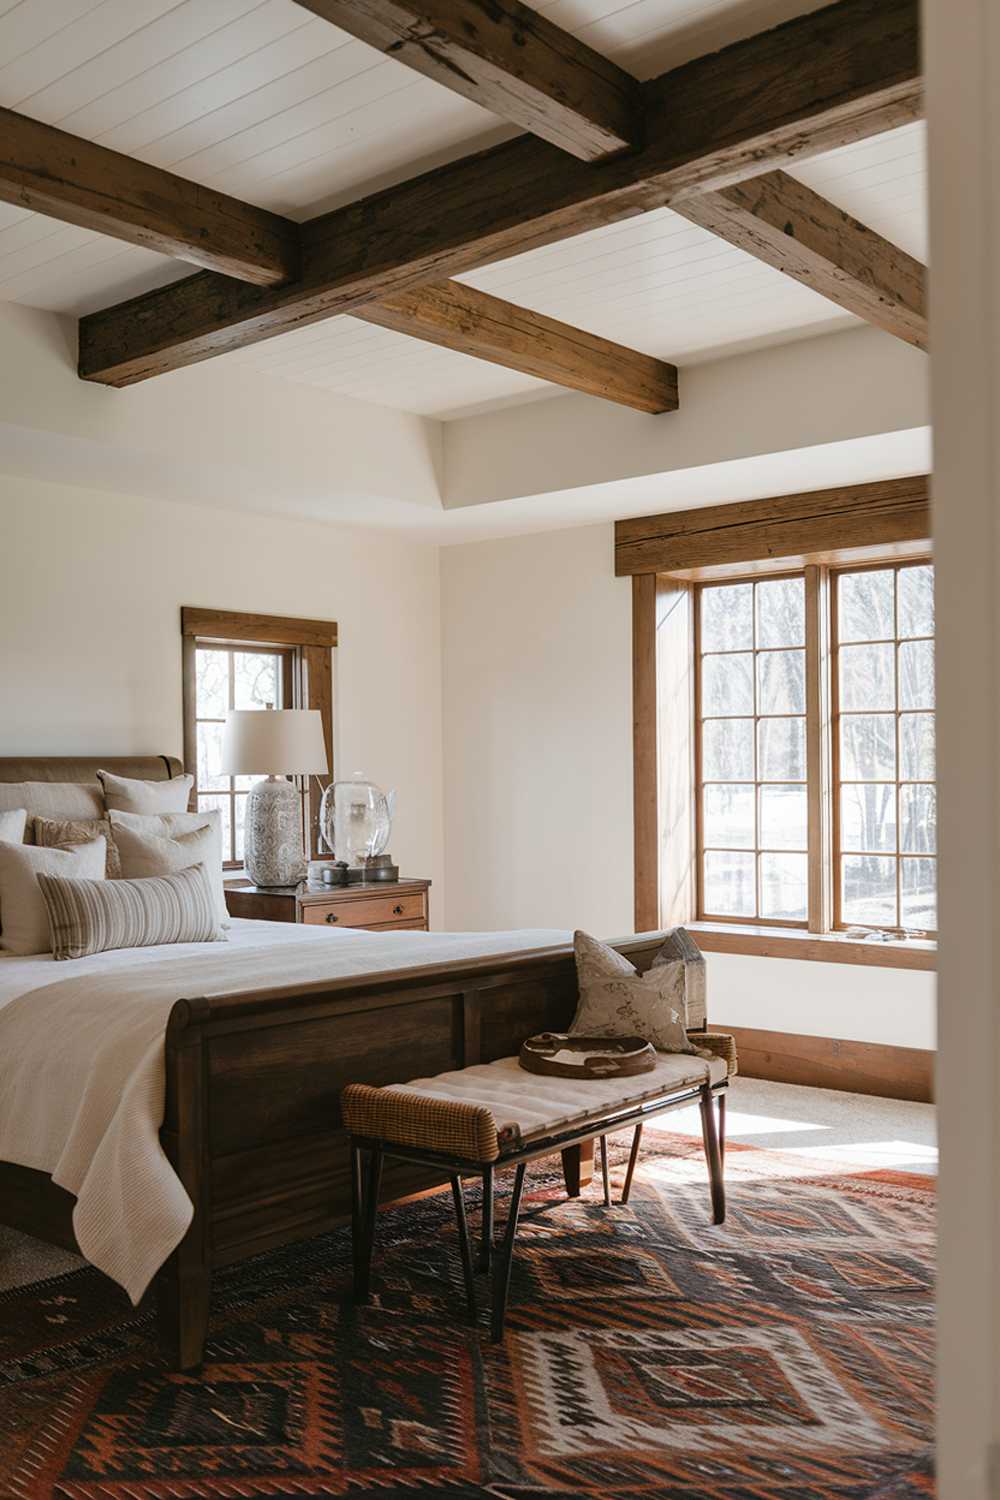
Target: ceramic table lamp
<point>274,743</point>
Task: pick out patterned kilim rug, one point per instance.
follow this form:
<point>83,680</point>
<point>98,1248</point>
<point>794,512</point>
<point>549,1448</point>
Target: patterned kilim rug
<point>785,1354</point>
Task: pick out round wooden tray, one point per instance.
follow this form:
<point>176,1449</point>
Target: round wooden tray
<point>560,1055</point>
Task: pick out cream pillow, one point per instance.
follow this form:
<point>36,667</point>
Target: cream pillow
<point>123,794</point>
<point>95,916</point>
<point>149,853</point>
<point>24,918</point>
<point>12,825</point>
<point>616,1000</point>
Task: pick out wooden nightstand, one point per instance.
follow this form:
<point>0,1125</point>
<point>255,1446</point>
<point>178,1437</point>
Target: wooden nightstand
<point>378,906</point>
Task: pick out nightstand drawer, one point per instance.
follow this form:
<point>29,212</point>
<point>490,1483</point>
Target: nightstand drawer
<point>367,911</point>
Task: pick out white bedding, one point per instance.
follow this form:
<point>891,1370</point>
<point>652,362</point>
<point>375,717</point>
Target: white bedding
<point>81,1062</point>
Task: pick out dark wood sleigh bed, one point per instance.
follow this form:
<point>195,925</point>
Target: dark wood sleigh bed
<point>252,1121</point>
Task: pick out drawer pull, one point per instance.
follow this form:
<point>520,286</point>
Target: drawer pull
<point>397,911</point>
<point>332,916</point>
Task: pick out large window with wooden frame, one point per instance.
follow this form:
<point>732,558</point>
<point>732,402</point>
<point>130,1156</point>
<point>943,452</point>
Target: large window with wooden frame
<point>814,749</point>
<point>247,661</point>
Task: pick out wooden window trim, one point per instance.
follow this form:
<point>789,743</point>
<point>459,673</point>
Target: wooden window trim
<point>819,947</point>
<point>663,861</point>
<point>837,526</point>
<point>310,644</point>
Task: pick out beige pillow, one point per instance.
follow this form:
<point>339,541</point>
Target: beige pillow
<point>12,825</point>
<point>144,854</point>
<point>24,918</point>
<point>53,799</point>
<point>123,794</point>
<point>616,1000</point>
<point>56,833</point>
<point>94,916</point>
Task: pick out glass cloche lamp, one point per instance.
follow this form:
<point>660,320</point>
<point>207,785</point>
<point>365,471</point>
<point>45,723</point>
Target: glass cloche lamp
<point>274,743</point>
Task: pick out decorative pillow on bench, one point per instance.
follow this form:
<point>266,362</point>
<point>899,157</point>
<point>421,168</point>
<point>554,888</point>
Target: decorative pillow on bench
<point>95,916</point>
<point>616,1000</point>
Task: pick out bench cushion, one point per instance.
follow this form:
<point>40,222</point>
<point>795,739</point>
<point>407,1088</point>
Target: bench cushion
<point>524,1107</point>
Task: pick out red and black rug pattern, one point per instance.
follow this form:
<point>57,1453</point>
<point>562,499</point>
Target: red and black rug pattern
<point>784,1355</point>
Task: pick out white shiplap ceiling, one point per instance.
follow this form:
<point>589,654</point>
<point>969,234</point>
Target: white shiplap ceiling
<point>273,105</point>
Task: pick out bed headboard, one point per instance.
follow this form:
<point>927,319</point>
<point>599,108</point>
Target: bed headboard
<point>84,768</point>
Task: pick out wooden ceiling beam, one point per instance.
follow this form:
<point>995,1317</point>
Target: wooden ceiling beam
<point>459,317</point>
<point>79,182</point>
<point>786,224</point>
<point>509,59</point>
<point>59,175</point>
<point>822,80</point>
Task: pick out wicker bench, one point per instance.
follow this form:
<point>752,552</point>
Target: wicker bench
<point>478,1119</point>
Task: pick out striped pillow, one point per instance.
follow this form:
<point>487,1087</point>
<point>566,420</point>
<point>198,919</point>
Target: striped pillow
<point>93,916</point>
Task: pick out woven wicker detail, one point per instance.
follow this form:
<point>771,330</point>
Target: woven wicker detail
<point>721,1044</point>
<point>457,1129</point>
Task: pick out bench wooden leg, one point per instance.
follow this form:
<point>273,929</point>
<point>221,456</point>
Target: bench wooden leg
<point>713,1156</point>
<point>578,1167</point>
<point>357,1217</point>
<point>722,1128</point>
<point>632,1159</point>
<point>605,1180</point>
<point>486,1244</point>
<point>501,1270</point>
<point>465,1249</point>
<point>363,1271</point>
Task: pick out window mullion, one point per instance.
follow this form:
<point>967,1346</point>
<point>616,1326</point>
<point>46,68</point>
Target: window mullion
<point>819,748</point>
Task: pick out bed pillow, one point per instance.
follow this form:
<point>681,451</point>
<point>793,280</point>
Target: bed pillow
<point>56,833</point>
<point>24,918</point>
<point>52,799</point>
<point>123,794</point>
<point>95,916</point>
<point>146,854</point>
<point>173,826</point>
<point>616,1000</point>
<point>12,825</point>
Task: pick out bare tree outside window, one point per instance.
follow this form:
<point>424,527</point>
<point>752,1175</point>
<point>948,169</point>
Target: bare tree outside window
<point>886,804</point>
<point>753,815</point>
<point>227,677</point>
<point>874,770</point>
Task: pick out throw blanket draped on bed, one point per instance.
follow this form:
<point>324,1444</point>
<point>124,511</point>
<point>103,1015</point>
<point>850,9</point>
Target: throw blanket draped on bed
<point>82,1077</point>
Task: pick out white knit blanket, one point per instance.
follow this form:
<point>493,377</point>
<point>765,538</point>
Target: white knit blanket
<point>82,1078</point>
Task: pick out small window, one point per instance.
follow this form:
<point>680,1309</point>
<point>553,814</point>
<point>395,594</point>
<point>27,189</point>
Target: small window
<point>244,661</point>
<point>232,677</point>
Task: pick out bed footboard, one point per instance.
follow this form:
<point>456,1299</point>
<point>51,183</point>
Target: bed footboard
<point>252,1120</point>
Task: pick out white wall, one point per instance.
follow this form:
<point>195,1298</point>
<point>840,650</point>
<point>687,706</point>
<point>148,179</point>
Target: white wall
<point>962,43</point>
<point>798,395</point>
<point>538,776</point>
<point>91,587</point>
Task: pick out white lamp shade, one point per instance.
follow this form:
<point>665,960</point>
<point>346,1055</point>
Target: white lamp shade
<point>274,742</point>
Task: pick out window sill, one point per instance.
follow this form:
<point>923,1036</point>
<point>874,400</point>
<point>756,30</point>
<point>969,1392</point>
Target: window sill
<point>819,947</point>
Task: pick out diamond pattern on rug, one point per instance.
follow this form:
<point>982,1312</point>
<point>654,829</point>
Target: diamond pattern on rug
<point>784,1355</point>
